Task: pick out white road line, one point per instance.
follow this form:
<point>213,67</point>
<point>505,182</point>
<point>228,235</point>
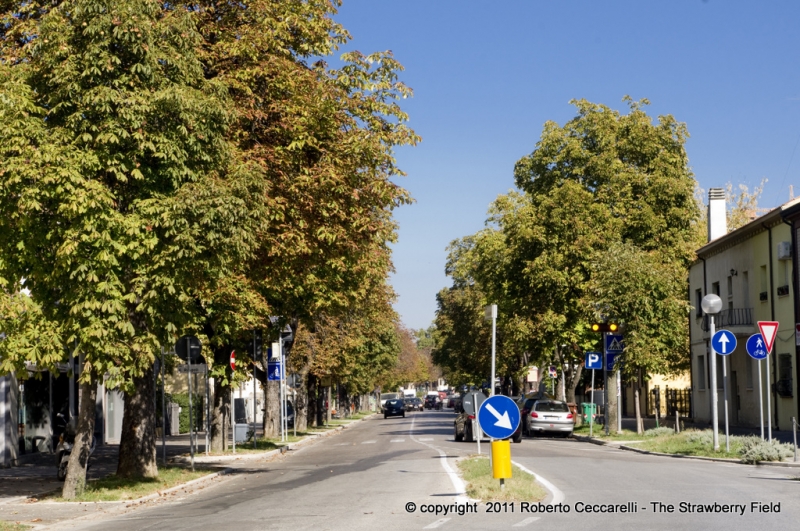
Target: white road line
<point>369,442</point>
<point>398,440</point>
<point>436,524</point>
<point>425,439</point>
<point>342,444</point>
<point>558,496</point>
<point>458,484</point>
<point>526,521</point>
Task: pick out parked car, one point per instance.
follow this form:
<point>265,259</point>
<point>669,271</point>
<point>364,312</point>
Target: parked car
<point>463,427</point>
<point>413,404</point>
<point>430,401</point>
<point>394,407</point>
<point>549,416</point>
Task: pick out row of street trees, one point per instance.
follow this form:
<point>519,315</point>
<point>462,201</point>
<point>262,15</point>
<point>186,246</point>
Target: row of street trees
<point>193,167</point>
<point>602,227</point>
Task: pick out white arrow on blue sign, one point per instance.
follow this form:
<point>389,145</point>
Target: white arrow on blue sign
<point>756,347</point>
<point>594,360</point>
<point>498,417</point>
<point>723,342</point>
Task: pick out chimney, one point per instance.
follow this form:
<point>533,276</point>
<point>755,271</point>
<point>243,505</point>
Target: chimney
<point>717,218</point>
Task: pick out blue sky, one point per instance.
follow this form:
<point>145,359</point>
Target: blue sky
<point>487,75</point>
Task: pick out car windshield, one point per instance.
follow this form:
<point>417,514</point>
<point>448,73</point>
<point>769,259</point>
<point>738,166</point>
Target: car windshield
<point>394,403</point>
<point>557,407</point>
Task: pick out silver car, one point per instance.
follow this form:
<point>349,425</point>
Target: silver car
<point>550,416</point>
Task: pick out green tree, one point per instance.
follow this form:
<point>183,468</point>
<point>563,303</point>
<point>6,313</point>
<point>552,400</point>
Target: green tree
<point>113,190</point>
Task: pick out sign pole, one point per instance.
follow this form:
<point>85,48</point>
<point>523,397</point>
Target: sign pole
<point>714,411</point>
<point>769,405</point>
<point>605,384</point>
<point>619,401</point>
<point>163,412</point>
<point>254,390</point>
<point>189,379</point>
<point>494,330</point>
<point>208,405</point>
<point>591,411</point>
<point>760,399</point>
<point>725,400</point>
<point>233,420</point>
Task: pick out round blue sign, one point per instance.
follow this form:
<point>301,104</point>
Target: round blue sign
<point>723,342</point>
<point>756,347</point>
<point>498,417</point>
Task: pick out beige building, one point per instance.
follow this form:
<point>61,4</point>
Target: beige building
<point>751,270</point>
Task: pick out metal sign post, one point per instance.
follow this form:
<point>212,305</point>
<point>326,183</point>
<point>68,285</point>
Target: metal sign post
<point>208,406</point>
<point>163,412</point>
<point>605,384</point>
<point>593,361</point>
<point>711,305</point>
<point>757,350</point>
<point>191,417</point>
<point>491,313</point>
<point>723,343</point>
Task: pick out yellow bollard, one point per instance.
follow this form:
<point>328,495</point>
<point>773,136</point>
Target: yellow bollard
<point>501,459</point>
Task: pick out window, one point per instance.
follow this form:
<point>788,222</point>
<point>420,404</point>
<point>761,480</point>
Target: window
<point>701,373</point>
<point>730,292</point>
<point>698,301</point>
<point>557,407</point>
<point>746,289</point>
<point>749,372</point>
<point>715,288</point>
<point>784,383</point>
<point>762,275</point>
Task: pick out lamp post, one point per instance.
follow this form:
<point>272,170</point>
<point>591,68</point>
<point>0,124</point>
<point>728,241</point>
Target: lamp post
<point>491,313</point>
<point>711,305</point>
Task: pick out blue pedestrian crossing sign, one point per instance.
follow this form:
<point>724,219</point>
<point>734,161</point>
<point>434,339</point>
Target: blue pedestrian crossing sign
<point>274,370</point>
<point>756,347</point>
<point>614,343</point>
<point>723,342</point>
<point>594,360</point>
<point>498,417</point>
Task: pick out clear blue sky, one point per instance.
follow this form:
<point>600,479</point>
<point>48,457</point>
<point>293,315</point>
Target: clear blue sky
<point>487,75</point>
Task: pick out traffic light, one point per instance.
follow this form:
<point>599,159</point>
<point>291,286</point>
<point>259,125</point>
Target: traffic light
<point>605,327</point>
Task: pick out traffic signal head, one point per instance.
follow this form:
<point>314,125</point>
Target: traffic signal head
<point>605,327</point>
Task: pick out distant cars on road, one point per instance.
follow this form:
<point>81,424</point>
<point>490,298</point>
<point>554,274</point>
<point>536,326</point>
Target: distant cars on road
<point>413,404</point>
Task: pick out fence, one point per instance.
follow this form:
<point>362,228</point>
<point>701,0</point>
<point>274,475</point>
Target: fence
<point>670,400</point>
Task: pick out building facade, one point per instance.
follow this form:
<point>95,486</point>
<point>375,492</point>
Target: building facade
<point>752,270</point>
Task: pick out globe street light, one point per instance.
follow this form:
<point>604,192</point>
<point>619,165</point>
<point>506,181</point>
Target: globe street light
<point>712,305</point>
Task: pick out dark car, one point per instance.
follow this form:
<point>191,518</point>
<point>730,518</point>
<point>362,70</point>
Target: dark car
<point>394,408</point>
<point>463,427</point>
<point>413,404</point>
<point>430,401</point>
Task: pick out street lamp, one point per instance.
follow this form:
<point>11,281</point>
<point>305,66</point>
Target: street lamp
<point>712,305</point>
<point>491,313</point>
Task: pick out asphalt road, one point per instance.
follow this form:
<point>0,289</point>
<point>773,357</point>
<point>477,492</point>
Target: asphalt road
<point>365,477</point>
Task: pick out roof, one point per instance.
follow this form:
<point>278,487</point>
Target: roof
<point>770,219</point>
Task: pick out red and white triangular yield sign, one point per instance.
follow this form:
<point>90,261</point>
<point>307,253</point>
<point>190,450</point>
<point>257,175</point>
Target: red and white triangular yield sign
<point>769,329</point>
<point>233,360</point>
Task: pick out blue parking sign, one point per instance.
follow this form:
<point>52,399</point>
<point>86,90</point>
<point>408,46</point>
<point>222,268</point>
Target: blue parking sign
<point>594,360</point>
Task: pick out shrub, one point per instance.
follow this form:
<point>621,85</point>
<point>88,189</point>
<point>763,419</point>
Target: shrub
<point>755,449</point>
<point>658,432</point>
<point>198,407</point>
<point>704,437</point>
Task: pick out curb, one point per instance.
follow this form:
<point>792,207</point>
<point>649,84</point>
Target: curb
<point>160,494</point>
<point>599,442</point>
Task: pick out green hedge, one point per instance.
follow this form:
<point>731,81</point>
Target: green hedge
<point>182,399</point>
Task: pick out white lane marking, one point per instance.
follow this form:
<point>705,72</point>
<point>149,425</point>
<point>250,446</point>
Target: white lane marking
<point>369,442</point>
<point>458,484</point>
<point>558,496</point>
<point>436,524</point>
<point>526,521</point>
<point>342,444</point>
<point>398,440</point>
<point>426,439</point>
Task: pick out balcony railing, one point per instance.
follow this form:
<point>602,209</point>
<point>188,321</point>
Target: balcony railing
<point>731,317</point>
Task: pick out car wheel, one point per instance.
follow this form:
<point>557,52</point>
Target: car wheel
<point>456,436</point>
<point>468,433</point>
<point>385,416</point>
<point>404,414</point>
<point>517,437</point>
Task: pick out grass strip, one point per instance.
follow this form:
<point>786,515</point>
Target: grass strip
<point>113,488</point>
<point>477,472</point>
<point>12,526</point>
<point>600,433</point>
<point>687,443</point>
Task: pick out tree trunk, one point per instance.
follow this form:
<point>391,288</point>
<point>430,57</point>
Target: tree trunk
<point>328,405</point>
<point>272,409</point>
<point>639,426</point>
<point>311,389</point>
<point>79,458</point>
<point>137,447</point>
<point>301,403</point>
<point>220,416</point>
<point>611,392</point>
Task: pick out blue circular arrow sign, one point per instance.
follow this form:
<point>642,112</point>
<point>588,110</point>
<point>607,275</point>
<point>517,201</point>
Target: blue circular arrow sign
<point>756,347</point>
<point>723,342</point>
<point>498,417</point>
